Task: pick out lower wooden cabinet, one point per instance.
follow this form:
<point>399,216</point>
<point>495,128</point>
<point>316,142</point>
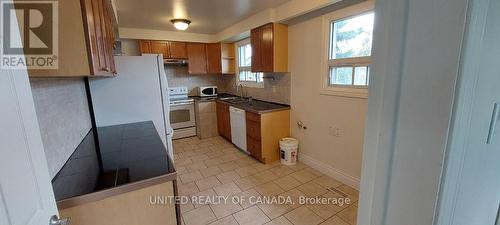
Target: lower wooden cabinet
<point>206,119</point>
<point>223,120</point>
<point>264,132</point>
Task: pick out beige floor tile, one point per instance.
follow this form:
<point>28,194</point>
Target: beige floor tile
<point>353,193</point>
<point>281,170</point>
<point>325,211</point>
<point>298,166</point>
<point>212,162</point>
<point>303,176</point>
<point>225,208</point>
<point>269,189</point>
<point>265,176</point>
<point>247,182</point>
<point>296,196</point>
<point>228,166</point>
<point>208,182</point>
<point>248,198</point>
<point>303,216</point>
<point>196,166</point>
<point>190,177</point>
<point>215,155</point>
<point>251,216</point>
<point>227,177</point>
<point>327,182</point>
<point>199,199</point>
<point>211,171</point>
<point>186,207</point>
<point>334,220</point>
<point>186,189</point>
<point>227,189</point>
<point>183,162</point>
<point>287,183</point>
<point>275,210</point>
<point>262,167</point>
<point>229,220</point>
<point>200,157</point>
<point>343,201</point>
<point>246,171</point>
<point>312,189</point>
<point>279,221</point>
<point>200,216</point>
<point>349,214</point>
<point>246,161</point>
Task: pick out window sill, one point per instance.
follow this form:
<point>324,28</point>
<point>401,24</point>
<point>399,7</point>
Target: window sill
<point>345,92</point>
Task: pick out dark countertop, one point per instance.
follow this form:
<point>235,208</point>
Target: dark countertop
<point>255,106</point>
<point>131,156</point>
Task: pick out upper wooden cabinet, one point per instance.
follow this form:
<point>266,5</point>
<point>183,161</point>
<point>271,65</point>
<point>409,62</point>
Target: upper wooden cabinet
<point>270,48</point>
<point>86,40</point>
<point>169,49</point>
<point>197,57</point>
<point>178,50</point>
<point>214,56</point>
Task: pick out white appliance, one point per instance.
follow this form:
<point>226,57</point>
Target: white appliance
<point>182,115</point>
<point>207,91</point>
<point>138,93</point>
<point>238,128</point>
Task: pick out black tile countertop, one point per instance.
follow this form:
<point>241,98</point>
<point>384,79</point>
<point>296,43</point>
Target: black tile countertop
<point>129,154</point>
<point>255,106</point>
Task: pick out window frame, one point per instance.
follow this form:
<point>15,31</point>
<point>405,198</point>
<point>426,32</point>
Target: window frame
<point>246,68</point>
<point>354,91</point>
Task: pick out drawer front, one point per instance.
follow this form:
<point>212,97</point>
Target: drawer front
<point>253,117</point>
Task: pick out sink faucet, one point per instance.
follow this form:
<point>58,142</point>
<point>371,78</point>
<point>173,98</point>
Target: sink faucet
<point>239,89</point>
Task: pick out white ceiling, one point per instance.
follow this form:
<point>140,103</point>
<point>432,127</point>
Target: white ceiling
<point>207,16</point>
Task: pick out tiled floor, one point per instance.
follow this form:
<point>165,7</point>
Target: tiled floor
<point>214,167</point>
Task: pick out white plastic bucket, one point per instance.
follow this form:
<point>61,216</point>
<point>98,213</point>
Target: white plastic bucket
<point>288,151</point>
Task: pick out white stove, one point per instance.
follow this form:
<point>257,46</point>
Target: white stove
<point>182,115</point>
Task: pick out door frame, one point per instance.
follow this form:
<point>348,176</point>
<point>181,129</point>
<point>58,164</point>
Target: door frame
<point>457,146</point>
<point>384,102</point>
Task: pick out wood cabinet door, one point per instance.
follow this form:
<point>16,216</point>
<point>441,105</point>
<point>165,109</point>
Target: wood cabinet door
<point>110,37</point>
<point>214,58</point>
<point>254,144</point>
<point>177,50</point>
<point>197,58</point>
<point>223,120</point>
<point>96,36</point>
<point>160,47</point>
<point>267,48</point>
<point>256,50</point>
<point>145,46</point>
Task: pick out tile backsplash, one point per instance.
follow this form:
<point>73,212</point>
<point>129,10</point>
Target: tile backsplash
<point>276,88</point>
<point>178,76</point>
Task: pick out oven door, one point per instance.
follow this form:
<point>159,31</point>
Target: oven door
<point>182,115</point>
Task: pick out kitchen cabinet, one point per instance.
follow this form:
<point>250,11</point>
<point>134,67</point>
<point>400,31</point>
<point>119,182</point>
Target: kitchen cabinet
<point>85,42</point>
<point>214,57</point>
<point>145,46</point>
<point>223,120</point>
<point>160,47</point>
<point>197,57</point>
<point>177,50</point>
<point>270,48</point>
<point>206,117</point>
<point>169,49</point>
<point>264,132</point>
<point>228,53</point>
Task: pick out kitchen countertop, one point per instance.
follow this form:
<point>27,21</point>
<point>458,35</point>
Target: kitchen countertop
<point>131,157</point>
<point>255,106</point>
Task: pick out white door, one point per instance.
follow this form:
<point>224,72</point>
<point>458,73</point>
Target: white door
<point>26,196</point>
<point>471,192</point>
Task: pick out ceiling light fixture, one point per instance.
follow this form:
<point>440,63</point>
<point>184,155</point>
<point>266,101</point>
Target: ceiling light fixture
<point>181,24</point>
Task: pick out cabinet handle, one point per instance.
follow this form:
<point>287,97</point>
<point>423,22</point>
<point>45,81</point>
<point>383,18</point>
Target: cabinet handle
<point>105,69</point>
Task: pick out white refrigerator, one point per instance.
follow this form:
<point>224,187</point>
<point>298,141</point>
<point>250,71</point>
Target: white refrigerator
<point>138,93</point>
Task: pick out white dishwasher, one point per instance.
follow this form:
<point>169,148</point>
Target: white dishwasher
<point>238,128</point>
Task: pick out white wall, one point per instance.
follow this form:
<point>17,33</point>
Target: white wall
<point>337,156</point>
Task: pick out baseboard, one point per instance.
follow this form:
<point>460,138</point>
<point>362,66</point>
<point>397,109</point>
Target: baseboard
<point>330,171</point>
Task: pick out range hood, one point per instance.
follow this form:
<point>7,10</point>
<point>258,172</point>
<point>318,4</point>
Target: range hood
<point>175,62</point>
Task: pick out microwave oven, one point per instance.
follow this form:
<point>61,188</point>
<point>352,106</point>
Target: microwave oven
<point>207,91</point>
